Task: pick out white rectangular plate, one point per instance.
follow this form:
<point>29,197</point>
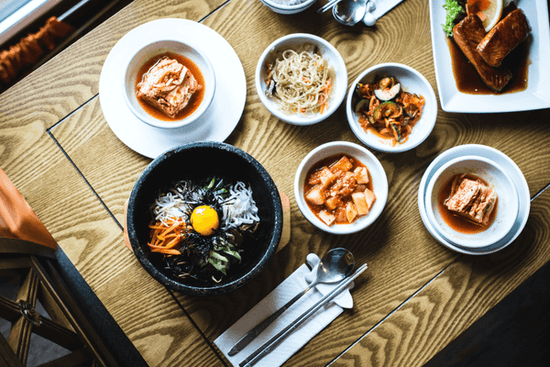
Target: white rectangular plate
<point>537,94</point>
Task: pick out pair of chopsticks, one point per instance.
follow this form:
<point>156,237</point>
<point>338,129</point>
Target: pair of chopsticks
<point>268,346</point>
<point>328,6</point>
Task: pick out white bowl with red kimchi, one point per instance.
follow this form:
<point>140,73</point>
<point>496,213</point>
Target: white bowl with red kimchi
<point>391,107</point>
<point>169,84</point>
<point>301,79</point>
<point>341,187</point>
<point>472,202</point>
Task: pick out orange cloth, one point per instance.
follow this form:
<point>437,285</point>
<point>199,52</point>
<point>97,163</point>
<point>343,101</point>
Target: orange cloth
<point>17,219</point>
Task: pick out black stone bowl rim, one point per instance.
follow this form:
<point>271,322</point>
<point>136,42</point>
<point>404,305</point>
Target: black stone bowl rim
<point>216,290</point>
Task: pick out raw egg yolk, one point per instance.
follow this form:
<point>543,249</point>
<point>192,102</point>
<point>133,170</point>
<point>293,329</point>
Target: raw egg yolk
<point>204,220</point>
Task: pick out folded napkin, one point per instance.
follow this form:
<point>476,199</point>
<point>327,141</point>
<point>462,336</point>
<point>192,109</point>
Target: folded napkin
<point>291,286</point>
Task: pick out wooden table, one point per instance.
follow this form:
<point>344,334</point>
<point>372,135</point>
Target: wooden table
<point>415,298</point>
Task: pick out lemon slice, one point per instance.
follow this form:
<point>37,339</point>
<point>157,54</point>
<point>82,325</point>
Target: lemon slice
<point>493,13</point>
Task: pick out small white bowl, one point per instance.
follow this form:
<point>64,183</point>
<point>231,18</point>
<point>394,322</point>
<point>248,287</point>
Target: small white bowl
<point>379,181</point>
<point>493,174</point>
<point>411,81</point>
<point>279,7</point>
<point>296,42</point>
<point>152,49</point>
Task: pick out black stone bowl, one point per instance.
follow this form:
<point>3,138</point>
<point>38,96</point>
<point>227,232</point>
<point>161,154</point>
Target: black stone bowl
<point>200,161</point>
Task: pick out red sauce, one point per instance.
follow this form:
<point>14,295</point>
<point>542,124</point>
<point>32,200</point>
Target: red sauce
<point>456,222</point>
<point>467,79</point>
<point>327,162</point>
<point>195,100</point>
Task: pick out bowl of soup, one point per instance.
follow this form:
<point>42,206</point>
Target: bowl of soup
<point>169,84</point>
<point>341,187</point>
<point>472,202</point>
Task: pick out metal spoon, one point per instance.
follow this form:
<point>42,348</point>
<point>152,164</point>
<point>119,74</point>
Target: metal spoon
<point>336,265</point>
<point>350,12</point>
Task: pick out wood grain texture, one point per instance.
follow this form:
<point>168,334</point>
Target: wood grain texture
<point>401,254</point>
<point>464,292</point>
<point>71,78</point>
<point>144,309</point>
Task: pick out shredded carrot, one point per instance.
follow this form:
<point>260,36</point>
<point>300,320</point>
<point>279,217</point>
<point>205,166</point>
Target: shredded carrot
<point>166,236</point>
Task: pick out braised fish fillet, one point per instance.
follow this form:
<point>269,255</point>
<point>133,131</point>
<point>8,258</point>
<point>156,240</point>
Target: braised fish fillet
<point>167,86</point>
<point>471,199</point>
<point>504,37</point>
<point>467,35</point>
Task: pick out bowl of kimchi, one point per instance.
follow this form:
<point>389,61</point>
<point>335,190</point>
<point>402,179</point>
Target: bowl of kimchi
<point>341,187</point>
<point>169,84</point>
<point>391,107</point>
<point>472,202</point>
<point>301,79</point>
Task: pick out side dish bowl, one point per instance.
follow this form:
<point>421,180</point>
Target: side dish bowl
<point>377,173</point>
<point>291,7</point>
<point>297,42</point>
<point>146,53</point>
<point>506,208</point>
<point>411,81</point>
<point>202,160</point>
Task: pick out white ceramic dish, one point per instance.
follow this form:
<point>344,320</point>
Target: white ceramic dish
<point>217,122</point>
<point>411,81</point>
<point>187,49</point>
<point>379,182</point>
<point>296,42</point>
<point>537,94</point>
<point>496,177</point>
<point>507,164</point>
<point>277,7</point>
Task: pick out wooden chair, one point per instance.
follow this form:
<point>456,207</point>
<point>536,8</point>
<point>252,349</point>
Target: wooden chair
<point>30,255</point>
<point>65,324</point>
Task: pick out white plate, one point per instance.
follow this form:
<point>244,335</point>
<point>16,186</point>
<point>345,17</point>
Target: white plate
<point>537,94</point>
<point>218,121</point>
<point>508,165</point>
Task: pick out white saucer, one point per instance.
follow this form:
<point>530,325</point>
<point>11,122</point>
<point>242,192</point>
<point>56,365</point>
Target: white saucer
<point>217,123</point>
<point>507,164</point>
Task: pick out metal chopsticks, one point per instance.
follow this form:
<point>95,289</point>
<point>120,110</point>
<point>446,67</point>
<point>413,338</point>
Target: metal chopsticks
<point>328,6</point>
<point>268,346</point>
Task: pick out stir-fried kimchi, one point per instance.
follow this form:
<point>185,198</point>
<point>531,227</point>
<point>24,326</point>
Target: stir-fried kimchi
<point>387,110</point>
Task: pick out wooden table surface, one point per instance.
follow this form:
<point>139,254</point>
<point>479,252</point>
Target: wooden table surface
<point>416,296</point>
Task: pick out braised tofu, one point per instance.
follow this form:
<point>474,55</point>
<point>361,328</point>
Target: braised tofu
<point>351,212</point>
<point>316,196</point>
<point>362,175</point>
<point>343,164</point>
<point>338,191</point>
<point>360,201</point>
<point>327,217</point>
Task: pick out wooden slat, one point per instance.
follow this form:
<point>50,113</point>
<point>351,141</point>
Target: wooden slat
<point>400,260</point>
<point>21,330</point>
<point>8,358</point>
<point>457,298</point>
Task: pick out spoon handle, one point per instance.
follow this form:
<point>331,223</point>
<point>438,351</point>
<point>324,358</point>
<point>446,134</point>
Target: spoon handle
<point>271,344</point>
<point>254,332</point>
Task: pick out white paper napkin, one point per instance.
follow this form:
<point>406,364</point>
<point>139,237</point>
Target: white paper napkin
<point>291,286</point>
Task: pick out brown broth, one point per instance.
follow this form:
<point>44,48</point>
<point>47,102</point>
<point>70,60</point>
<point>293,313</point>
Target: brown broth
<point>327,162</point>
<point>195,100</point>
<point>456,222</point>
<point>467,79</point>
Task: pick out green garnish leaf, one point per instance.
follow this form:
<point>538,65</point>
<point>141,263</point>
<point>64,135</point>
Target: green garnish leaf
<point>453,9</point>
